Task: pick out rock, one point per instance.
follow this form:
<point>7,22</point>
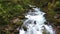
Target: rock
<point>21,17</point>
<point>57,16</point>
<point>58,27</point>
<point>25,28</point>
<point>34,22</point>
<point>16,20</point>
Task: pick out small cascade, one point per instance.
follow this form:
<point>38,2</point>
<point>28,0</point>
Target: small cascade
<point>35,23</point>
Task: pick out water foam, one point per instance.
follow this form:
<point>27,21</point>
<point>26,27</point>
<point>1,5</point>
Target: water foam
<point>35,23</point>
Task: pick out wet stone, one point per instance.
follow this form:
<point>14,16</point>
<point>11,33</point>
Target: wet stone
<point>25,28</point>
<point>34,22</point>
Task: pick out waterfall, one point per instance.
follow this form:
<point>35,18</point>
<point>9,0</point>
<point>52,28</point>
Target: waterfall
<point>35,23</point>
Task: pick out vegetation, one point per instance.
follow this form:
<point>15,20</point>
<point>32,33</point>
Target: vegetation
<point>11,13</point>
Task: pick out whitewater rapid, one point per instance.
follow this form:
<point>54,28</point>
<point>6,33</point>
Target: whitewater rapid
<point>35,23</point>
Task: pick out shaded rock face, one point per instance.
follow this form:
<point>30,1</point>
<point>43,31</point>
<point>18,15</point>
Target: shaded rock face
<point>57,9</point>
<point>13,27</point>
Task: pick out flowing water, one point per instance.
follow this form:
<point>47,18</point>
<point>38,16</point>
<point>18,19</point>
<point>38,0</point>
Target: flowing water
<point>35,23</point>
